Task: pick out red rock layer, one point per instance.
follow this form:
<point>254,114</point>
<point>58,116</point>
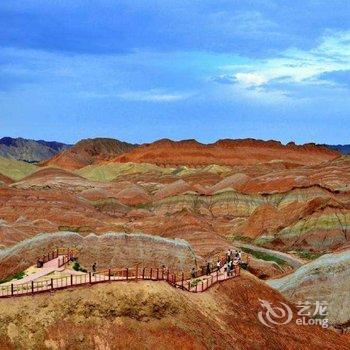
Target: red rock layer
<point>87,152</point>
<point>225,152</point>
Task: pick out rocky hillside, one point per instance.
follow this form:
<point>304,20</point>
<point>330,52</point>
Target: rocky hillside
<point>268,204</point>
<point>109,250</point>
<point>154,315</point>
<point>29,150</point>
<point>87,152</point>
<point>15,169</point>
<point>226,152</point>
<point>325,279</point>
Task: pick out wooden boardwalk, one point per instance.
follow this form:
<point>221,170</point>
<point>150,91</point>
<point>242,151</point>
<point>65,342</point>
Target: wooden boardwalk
<point>30,284</point>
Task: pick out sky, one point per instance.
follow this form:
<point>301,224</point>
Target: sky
<point>141,70</point>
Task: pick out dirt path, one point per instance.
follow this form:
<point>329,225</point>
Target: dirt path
<point>291,260</point>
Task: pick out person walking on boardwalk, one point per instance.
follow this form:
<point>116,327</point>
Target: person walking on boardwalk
<point>207,271</point>
<point>228,255</point>
<point>193,273</point>
<point>218,265</point>
<point>235,266</point>
<point>94,267</point>
<point>229,268</point>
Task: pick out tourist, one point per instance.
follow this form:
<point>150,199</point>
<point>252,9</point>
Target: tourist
<point>40,263</point>
<point>229,268</point>
<point>94,267</point>
<point>208,269</point>
<point>231,254</point>
<point>193,272</point>
<point>218,264</point>
<point>240,256</point>
<point>235,265</point>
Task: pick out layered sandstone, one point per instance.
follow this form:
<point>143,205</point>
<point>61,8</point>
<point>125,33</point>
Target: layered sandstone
<point>87,152</point>
<point>110,250</point>
<point>325,279</point>
<point>225,152</point>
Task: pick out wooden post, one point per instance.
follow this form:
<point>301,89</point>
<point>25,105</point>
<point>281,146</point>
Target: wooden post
<point>157,273</point>
<point>12,289</point>
<point>182,281</point>
<point>109,274</point>
<point>71,280</point>
<point>196,287</point>
<point>51,283</point>
<point>137,273</point>
<point>90,277</point>
<point>143,273</point>
<point>127,274</point>
<point>32,287</point>
<point>202,286</point>
<point>151,273</point>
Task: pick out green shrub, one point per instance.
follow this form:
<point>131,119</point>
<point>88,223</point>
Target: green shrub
<point>77,267</point>
<point>264,256</point>
<point>306,254</point>
<point>16,276</point>
<point>195,282</point>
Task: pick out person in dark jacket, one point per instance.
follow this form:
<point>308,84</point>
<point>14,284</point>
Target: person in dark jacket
<point>207,271</point>
<point>94,267</point>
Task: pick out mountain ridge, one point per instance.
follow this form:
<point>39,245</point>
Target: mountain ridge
<point>28,150</point>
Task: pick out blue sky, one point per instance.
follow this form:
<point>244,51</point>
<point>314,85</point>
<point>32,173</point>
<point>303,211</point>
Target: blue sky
<point>140,70</point>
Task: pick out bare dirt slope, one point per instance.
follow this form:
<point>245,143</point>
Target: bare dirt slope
<point>153,315</point>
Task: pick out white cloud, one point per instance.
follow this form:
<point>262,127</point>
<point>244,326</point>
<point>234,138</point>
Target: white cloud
<point>295,65</point>
<point>250,79</point>
<point>153,95</point>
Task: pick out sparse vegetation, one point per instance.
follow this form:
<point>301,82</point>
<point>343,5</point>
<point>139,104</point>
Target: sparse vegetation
<point>195,282</point>
<point>77,267</point>
<point>306,254</point>
<point>16,276</point>
<point>76,229</point>
<point>264,256</point>
<point>240,238</point>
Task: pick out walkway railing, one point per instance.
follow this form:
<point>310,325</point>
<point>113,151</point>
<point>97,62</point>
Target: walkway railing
<point>62,254</point>
<point>194,281</point>
<point>199,284</point>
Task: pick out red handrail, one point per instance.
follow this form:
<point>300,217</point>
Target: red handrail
<point>176,280</point>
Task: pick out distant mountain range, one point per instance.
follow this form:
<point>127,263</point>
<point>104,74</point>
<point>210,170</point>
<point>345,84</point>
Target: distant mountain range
<point>35,151</point>
<point>32,151</point>
<point>343,149</point>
